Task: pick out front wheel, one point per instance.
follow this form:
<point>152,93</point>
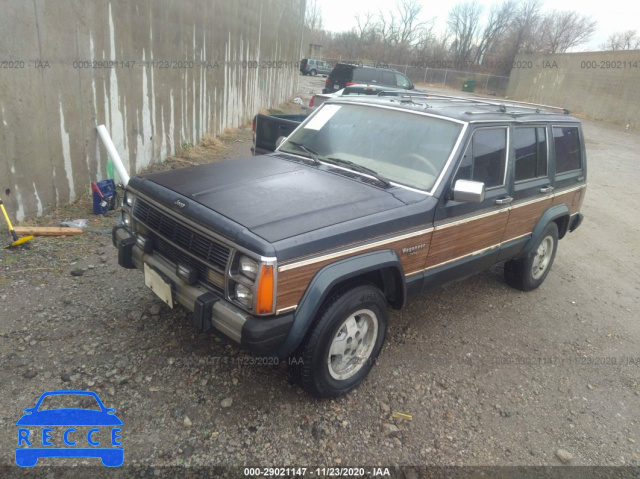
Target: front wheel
<point>344,342</point>
<point>529,272</point>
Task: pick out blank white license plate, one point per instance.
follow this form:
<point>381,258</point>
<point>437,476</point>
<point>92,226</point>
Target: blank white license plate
<point>336,86</point>
<point>158,285</point>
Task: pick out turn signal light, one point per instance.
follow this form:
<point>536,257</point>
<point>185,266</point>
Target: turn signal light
<point>264,303</point>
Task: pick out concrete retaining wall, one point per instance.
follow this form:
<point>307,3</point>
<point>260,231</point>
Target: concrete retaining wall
<point>157,73</point>
<point>602,85</point>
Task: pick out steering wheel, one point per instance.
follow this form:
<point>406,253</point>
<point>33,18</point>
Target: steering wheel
<point>430,166</point>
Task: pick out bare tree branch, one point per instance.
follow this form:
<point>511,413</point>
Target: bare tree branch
<point>560,31</point>
<point>464,23</point>
<point>500,18</point>
<point>627,40</point>
<point>313,16</point>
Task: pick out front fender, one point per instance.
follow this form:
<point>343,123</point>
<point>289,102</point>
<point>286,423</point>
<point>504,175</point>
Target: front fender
<point>323,283</point>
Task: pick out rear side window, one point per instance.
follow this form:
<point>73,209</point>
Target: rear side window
<point>566,140</point>
<point>531,153</point>
<point>365,75</point>
<point>485,158</point>
<point>342,71</point>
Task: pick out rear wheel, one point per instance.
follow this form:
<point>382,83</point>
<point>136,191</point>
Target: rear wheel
<point>344,342</point>
<point>529,272</point>
<point>314,73</point>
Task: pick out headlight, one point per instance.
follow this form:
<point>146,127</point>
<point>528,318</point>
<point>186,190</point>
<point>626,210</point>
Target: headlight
<point>244,296</point>
<point>248,267</point>
<point>128,199</point>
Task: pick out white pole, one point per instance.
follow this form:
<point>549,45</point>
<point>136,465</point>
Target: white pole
<point>113,153</point>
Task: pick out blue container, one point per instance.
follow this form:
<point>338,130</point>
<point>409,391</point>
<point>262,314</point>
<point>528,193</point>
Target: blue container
<point>104,196</point>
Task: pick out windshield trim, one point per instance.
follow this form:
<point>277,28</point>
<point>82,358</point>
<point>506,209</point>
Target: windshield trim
<point>446,166</point>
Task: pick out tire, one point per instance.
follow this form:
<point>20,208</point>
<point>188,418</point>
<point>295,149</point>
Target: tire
<point>527,273</point>
<point>313,73</point>
<point>357,315</point>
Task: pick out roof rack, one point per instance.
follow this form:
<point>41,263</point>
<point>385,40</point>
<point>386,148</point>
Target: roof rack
<point>502,105</point>
<point>520,104</point>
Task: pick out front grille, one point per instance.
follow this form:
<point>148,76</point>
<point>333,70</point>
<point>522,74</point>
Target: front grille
<point>174,240</point>
<point>175,255</point>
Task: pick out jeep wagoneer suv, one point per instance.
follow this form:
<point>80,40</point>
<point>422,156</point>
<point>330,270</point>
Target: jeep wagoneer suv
<point>299,253</point>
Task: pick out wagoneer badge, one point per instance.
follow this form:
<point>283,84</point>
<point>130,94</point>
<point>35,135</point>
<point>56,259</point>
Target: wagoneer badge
<point>413,249</point>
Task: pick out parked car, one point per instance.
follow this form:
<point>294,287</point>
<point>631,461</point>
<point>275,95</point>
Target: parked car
<point>266,133</point>
<point>364,89</point>
<point>298,254</point>
<point>313,67</point>
<point>344,75</point>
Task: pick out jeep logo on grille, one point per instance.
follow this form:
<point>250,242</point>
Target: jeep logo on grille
<point>179,204</point>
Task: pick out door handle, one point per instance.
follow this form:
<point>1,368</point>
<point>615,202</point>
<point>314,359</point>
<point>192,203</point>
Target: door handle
<point>546,189</point>
<point>504,201</point>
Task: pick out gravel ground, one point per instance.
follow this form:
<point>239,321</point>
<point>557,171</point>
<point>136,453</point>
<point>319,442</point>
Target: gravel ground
<point>490,376</point>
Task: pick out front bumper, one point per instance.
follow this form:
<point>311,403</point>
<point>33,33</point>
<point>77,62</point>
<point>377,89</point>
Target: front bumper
<point>211,312</point>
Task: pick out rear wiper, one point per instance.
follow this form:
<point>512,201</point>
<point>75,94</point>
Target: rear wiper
<point>360,168</point>
<point>313,154</point>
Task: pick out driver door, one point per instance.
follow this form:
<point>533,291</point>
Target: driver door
<point>467,236</point>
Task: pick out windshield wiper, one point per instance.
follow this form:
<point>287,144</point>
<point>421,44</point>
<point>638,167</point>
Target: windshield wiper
<point>359,168</point>
<point>313,154</point>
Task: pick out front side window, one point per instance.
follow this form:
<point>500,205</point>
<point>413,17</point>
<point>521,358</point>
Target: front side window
<point>566,140</point>
<point>531,152</point>
<point>485,158</point>
<point>402,81</point>
<point>388,78</point>
<point>406,148</point>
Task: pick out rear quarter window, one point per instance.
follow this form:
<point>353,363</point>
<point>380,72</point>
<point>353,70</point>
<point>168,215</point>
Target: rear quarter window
<point>566,140</point>
<point>366,75</point>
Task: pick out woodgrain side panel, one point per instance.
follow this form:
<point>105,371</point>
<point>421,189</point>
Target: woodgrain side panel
<point>566,198</point>
<point>450,242</point>
<point>577,201</point>
<point>292,283</point>
<point>523,218</point>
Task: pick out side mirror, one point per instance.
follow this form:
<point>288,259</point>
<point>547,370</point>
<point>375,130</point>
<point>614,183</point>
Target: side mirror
<point>468,191</point>
<point>280,141</point>
<point>411,86</point>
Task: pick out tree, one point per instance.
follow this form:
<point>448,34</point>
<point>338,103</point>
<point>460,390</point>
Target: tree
<point>409,26</point>
<point>365,26</point>
<point>464,23</point>
<point>500,18</point>
<point>627,40</point>
<point>313,16</point>
<point>560,31</point>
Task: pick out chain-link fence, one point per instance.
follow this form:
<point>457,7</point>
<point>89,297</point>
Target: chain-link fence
<point>446,78</point>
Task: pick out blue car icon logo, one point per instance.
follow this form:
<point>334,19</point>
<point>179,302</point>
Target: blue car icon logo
<point>84,433</point>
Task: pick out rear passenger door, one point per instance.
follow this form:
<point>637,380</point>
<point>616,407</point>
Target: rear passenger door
<point>387,78</point>
<point>532,185</point>
<point>467,236</point>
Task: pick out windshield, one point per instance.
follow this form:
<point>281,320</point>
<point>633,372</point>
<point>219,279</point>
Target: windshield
<point>403,147</point>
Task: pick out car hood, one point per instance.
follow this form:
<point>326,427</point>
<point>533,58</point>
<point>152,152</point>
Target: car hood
<point>275,198</point>
<point>69,417</point>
